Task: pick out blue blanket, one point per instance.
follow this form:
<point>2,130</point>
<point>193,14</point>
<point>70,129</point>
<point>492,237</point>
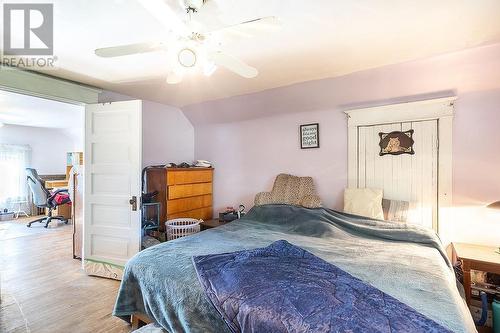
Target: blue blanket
<point>404,261</point>
<point>283,288</point>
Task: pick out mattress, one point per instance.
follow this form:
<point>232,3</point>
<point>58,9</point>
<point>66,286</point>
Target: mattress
<point>405,261</point>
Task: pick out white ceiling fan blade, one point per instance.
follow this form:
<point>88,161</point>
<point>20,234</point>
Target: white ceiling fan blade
<point>263,22</point>
<point>123,50</point>
<point>250,26</point>
<point>165,15</point>
<point>233,64</point>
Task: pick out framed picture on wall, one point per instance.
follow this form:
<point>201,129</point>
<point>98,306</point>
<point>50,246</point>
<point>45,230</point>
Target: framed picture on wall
<point>309,136</point>
<point>396,143</point>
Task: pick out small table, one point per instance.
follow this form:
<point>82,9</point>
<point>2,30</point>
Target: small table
<point>20,209</point>
<point>208,224</point>
<point>476,257</point>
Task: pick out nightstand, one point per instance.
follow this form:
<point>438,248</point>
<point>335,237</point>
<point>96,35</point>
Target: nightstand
<point>209,224</point>
<point>476,257</point>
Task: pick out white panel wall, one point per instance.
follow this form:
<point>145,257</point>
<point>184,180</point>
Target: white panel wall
<point>405,177</point>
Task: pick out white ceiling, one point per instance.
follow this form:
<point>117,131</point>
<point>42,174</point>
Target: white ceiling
<point>319,39</point>
<point>16,109</point>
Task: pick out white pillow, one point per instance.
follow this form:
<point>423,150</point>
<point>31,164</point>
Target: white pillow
<point>364,202</point>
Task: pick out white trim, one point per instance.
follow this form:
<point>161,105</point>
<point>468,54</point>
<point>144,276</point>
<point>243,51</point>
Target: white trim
<point>48,87</point>
<point>441,109</point>
<point>394,113</point>
<point>445,167</point>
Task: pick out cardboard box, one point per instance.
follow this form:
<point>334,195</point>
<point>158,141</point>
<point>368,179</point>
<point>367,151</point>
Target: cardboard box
<point>62,210</point>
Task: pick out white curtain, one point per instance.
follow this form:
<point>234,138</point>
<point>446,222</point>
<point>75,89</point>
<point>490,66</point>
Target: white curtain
<point>13,186</point>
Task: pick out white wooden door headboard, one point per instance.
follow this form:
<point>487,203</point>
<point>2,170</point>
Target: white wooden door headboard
<point>429,170</point>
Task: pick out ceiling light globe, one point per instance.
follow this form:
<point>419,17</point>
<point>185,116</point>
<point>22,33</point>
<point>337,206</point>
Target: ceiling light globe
<point>187,57</point>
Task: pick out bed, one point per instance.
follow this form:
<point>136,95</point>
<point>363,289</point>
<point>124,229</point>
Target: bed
<point>404,261</point>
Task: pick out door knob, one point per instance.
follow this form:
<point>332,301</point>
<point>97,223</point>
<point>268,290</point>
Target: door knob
<point>133,203</point>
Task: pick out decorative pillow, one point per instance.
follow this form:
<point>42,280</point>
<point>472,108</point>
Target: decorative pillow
<point>310,201</point>
<point>395,210</point>
<point>364,202</point>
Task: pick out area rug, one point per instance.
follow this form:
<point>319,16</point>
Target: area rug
<point>14,229</point>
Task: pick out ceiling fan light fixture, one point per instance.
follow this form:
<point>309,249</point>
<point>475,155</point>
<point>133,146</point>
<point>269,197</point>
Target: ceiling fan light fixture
<point>192,5</point>
<point>187,57</point>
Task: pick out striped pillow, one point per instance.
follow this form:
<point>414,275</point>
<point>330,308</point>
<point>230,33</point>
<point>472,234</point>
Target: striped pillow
<point>395,210</point>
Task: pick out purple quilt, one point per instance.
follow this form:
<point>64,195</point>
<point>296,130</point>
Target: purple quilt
<point>283,288</point>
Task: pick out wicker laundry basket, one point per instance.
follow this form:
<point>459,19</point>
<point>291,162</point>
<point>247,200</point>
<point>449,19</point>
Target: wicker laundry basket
<point>178,228</point>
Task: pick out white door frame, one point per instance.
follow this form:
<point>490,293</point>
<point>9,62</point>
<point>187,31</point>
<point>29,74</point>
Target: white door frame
<point>441,109</point>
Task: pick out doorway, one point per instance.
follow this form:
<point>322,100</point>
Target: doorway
<point>41,134</point>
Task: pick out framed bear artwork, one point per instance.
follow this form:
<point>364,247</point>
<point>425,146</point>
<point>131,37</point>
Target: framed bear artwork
<point>396,143</point>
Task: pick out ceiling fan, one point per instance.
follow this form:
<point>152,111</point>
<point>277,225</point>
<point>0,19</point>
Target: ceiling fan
<point>189,47</point>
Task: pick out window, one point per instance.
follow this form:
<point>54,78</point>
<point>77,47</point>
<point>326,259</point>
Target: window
<point>13,186</point>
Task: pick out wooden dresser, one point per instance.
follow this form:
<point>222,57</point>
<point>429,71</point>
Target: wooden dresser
<point>182,192</point>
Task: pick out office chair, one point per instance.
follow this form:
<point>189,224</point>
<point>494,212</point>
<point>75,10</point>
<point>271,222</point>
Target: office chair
<point>43,198</point>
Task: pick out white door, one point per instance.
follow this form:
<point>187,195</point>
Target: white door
<point>412,178</point>
<point>113,160</point>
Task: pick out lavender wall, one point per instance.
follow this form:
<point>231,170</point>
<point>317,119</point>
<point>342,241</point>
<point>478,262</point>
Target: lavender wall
<point>249,154</point>
<point>253,137</point>
<point>167,136</point>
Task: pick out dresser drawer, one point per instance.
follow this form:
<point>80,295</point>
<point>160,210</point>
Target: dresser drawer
<point>189,176</point>
<point>186,204</point>
<point>201,213</point>
<point>188,190</point>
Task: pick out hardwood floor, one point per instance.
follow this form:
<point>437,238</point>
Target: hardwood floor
<point>45,290</point>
